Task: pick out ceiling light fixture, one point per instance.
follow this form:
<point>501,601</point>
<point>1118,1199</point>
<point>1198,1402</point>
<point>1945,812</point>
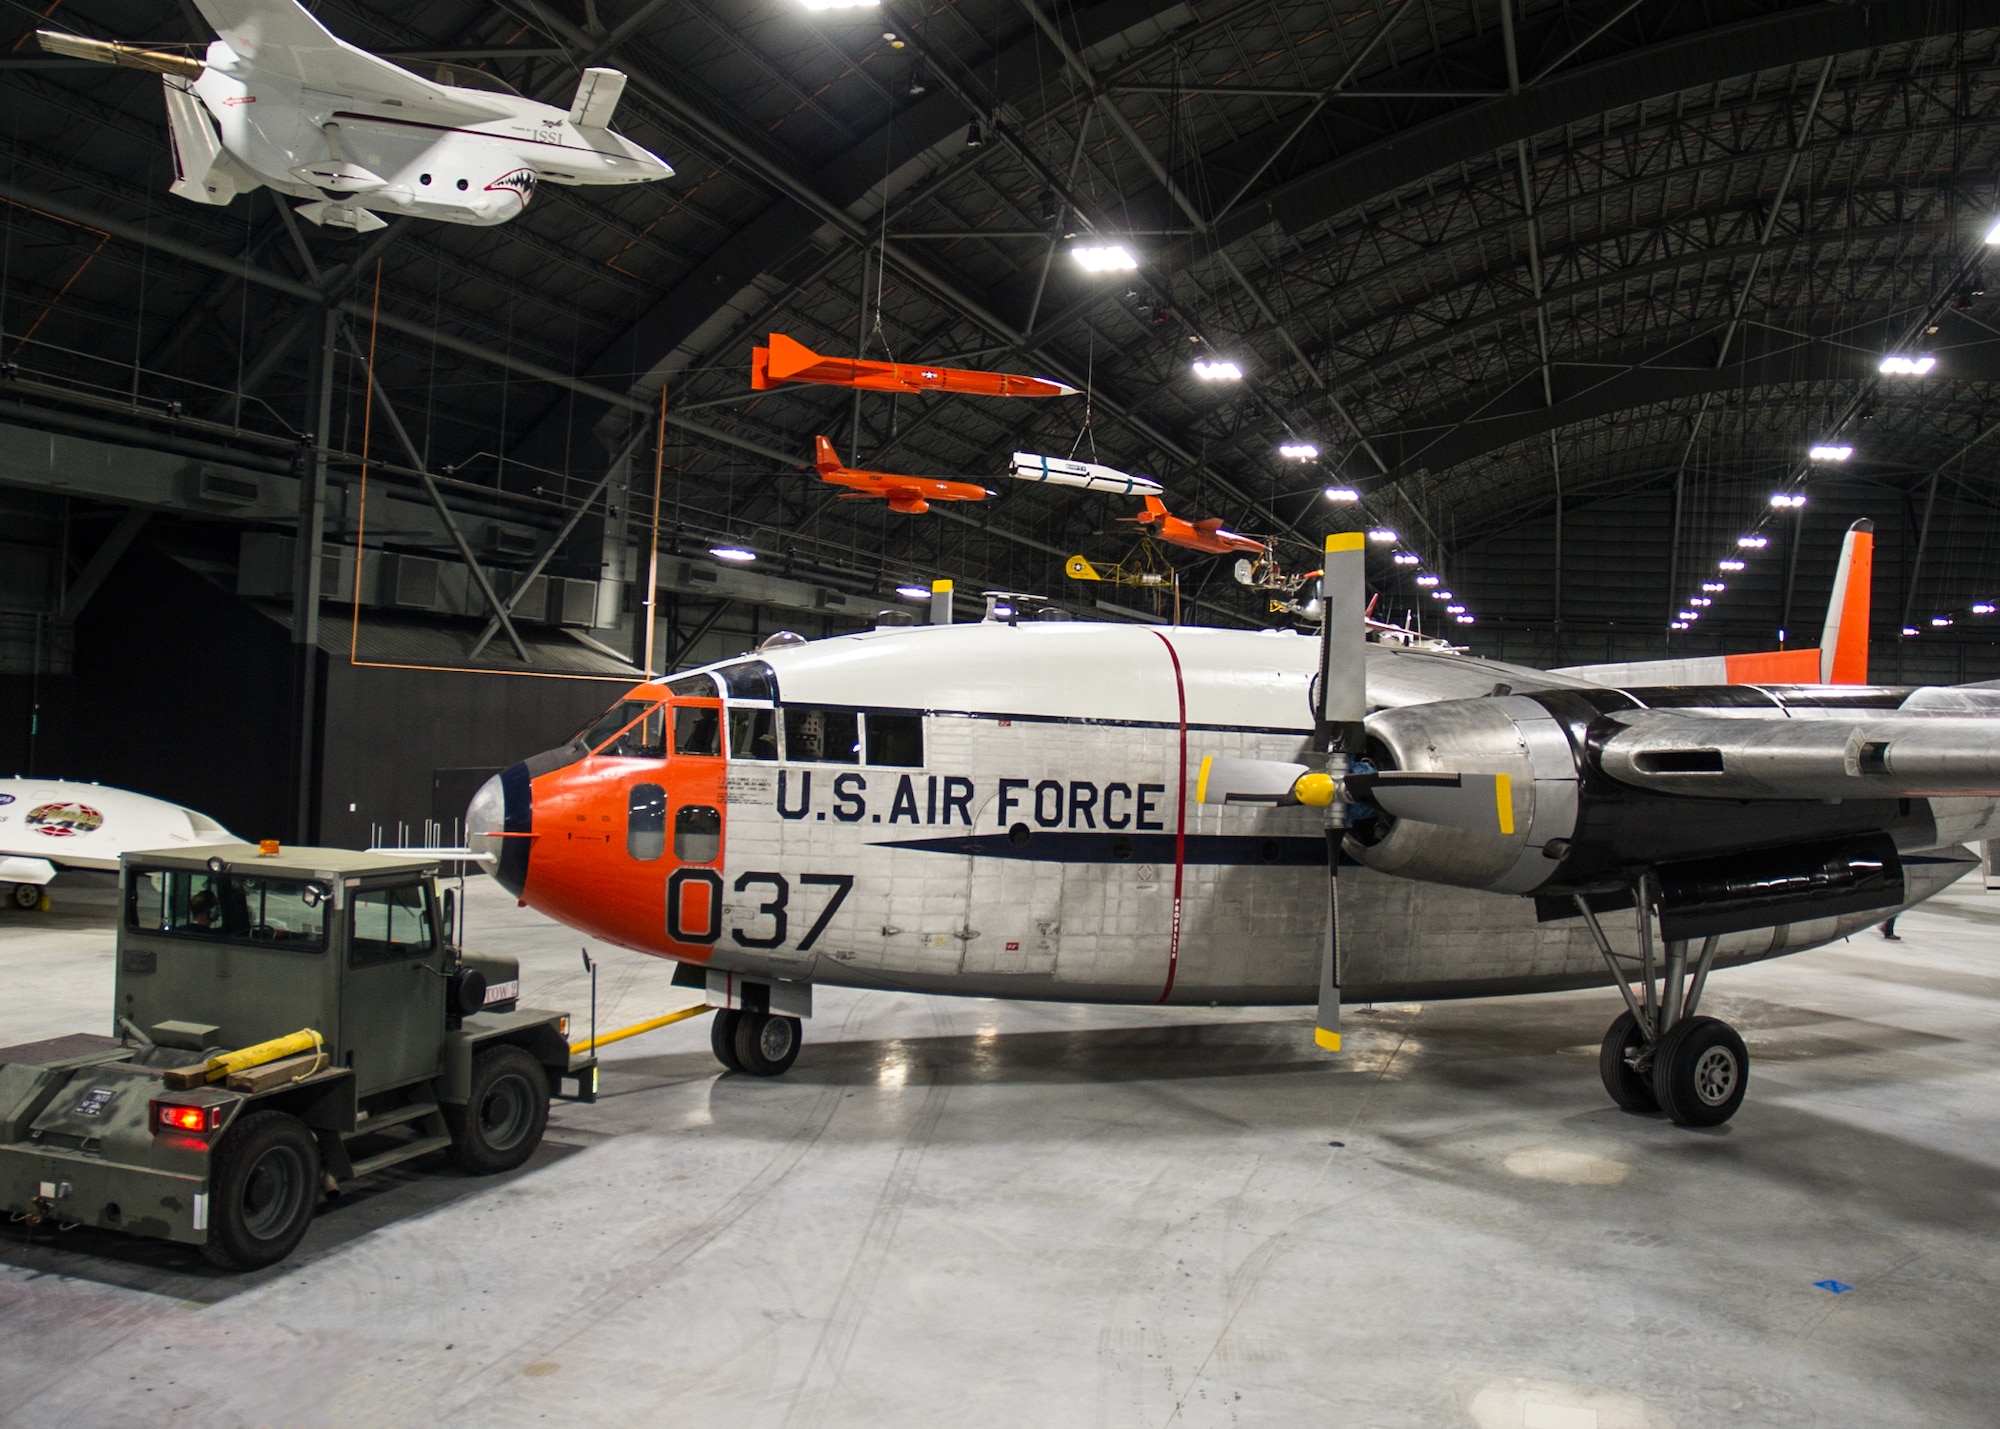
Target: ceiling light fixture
<point>1342,495</point>
<point>1700,602</point>
<point>1729,565</point>
<point>1217,371</point>
<point>1454,610</point>
<point>1465,620</point>
<point>732,553</point>
<point>1677,625</point>
<point>1714,587</point>
<point>1909,630</point>
<point>1897,365</point>
<point>913,592</point>
<point>1753,543</point>
<point>1788,501</point>
<point>1690,615</point>
<point>1984,607</point>
<point>850,5</point>
<point>1830,453</point>
<point>1382,536</point>
<point>1298,451</point>
<point>1408,558</point>
<point>1441,595</point>
<point>1427,581</point>
<point>1940,621</point>
<point>1104,258</point>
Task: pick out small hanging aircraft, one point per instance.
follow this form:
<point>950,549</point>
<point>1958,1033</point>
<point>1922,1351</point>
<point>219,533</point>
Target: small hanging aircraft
<point>911,495</point>
<point>280,101</point>
<point>47,825</point>
<point>1206,536</point>
<point>1082,812</point>
<point>785,361</point>
<point>1086,475</point>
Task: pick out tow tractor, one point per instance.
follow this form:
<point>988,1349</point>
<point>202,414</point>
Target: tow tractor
<point>287,1021</point>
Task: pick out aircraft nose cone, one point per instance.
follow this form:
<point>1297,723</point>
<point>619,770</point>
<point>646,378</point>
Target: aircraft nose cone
<point>498,822</point>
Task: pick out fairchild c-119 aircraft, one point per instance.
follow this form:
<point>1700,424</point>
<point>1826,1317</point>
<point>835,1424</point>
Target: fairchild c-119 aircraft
<point>1093,812</point>
<point>279,100</point>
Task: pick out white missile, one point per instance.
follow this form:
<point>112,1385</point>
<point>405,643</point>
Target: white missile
<point>1027,466</point>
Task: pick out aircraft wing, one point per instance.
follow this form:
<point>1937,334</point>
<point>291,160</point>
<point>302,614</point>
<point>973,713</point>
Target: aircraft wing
<point>280,37</point>
<point>1891,756</point>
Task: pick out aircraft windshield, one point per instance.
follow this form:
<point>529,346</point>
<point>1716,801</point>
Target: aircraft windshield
<point>625,712</point>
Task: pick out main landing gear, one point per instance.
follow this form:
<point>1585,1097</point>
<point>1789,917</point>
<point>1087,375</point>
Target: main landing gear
<point>763,1044</point>
<point>1658,1055</point>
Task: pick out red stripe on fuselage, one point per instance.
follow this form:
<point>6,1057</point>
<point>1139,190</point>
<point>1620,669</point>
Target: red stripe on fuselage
<point>1180,823</point>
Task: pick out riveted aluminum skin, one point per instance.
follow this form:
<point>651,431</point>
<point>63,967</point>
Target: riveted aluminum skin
<point>1507,734</point>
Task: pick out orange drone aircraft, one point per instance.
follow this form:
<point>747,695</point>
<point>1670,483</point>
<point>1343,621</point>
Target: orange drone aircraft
<point>910,494</point>
<point>788,361</point>
<point>1205,536</point>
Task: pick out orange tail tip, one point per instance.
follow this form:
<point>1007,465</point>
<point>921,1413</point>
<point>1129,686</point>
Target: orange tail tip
<point>824,456</point>
<point>760,369</point>
<point>1843,645</point>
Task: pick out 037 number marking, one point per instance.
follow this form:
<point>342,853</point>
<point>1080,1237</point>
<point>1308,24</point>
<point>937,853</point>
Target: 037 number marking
<point>769,925</point>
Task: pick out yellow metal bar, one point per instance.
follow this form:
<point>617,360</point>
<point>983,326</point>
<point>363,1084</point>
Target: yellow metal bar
<point>680,1015</point>
<point>247,1057</point>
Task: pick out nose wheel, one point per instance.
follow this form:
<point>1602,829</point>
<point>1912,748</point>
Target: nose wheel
<point>760,1044</point>
<point>1658,1055</point>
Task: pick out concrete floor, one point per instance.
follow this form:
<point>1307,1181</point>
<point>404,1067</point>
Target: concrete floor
<point>983,1213</point>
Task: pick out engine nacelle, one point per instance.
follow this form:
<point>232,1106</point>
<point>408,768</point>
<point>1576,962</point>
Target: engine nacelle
<point>1504,734</point>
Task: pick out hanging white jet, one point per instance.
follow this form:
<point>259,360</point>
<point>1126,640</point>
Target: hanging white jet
<point>280,101</point>
<point>1089,812</point>
<point>47,825</point>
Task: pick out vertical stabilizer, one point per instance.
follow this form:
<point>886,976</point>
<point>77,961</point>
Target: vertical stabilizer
<point>1843,644</point>
<point>202,172</point>
<point>825,458</point>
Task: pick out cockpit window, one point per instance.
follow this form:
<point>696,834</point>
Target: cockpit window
<point>750,680</point>
<point>753,734</point>
<point>644,738</point>
<point>697,729</point>
<point>611,721</point>
<point>822,736</point>
<point>699,687</point>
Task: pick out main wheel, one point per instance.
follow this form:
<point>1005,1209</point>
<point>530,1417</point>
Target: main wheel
<point>501,1123</point>
<point>722,1038</point>
<point>262,1182</point>
<point>1700,1072</point>
<point>767,1045</point>
<point>1629,1087</point>
<point>27,895</point>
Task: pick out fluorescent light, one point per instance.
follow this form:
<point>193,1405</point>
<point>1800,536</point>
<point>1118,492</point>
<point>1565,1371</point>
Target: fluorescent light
<point>1689,615</point>
<point>1454,610</point>
<point>1993,234</point>
<point>1729,565</point>
<point>841,5</point>
<point>1830,453</point>
<point>913,592</point>
<point>1442,595</point>
<point>1940,621</point>
<point>1465,620</point>
<point>1408,558</point>
<point>1714,587</point>
<point>1427,580</point>
<point>1896,365</point>
<point>1342,495</point>
<point>1909,630</point>
<point>1298,451</point>
<point>1788,501</point>
<point>1104,258</point>
<point>1217,371</point>
<point>1003,611</point>
<point>1984,607</point>
<point>1700,602</point>
<point>1382,536</point>
<point>732,553</point>
<point>1677,625</point>
<point>1753,543</point>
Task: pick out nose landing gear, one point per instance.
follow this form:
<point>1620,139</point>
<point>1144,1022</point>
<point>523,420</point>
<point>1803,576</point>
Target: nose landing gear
<point>761,1044</point>
<point>1658,1055</point>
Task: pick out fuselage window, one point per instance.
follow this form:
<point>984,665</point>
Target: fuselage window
<point>697,687</point>
<point>896,738</point>
<point>697,729</point>
<point>822,736</point>
<point>753,734</point>
<point>643,739</point>
<point>697,833</point>
<point>646,822</point>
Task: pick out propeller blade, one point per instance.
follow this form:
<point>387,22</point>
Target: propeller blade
<point>1246,781</point>
<point>1457,801</point>
<point>1343,702</point>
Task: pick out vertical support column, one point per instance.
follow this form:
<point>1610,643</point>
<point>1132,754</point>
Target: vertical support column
<point>307,548</point>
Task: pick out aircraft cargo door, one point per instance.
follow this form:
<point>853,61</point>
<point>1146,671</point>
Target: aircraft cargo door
<point>1013,906</point>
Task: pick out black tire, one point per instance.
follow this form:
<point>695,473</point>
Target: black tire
<point>722,1039</point>
<point>27,895</point>
<point>1701,1072</point>
<point>504,1116</point>
<point>263,1182</point>
<point>1629,1087</point>
<point>766,1046</point>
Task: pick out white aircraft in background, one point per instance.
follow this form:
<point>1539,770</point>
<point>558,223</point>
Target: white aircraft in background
<point>1079,812</point>
<point>47,825</point>
<point>281,101</point>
